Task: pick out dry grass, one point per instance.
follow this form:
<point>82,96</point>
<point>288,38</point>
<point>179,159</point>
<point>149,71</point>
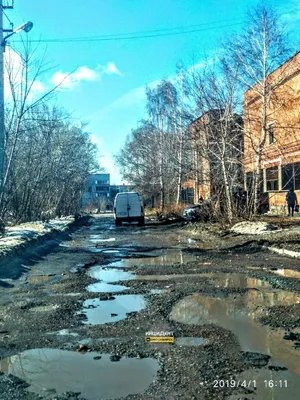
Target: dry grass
<point>170,211</point>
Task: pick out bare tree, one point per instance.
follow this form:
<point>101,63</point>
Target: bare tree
<point>216,134</point>
<point>47,158</point>
<point>258,50</point>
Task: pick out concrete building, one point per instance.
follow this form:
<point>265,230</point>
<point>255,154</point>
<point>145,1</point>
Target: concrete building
<point>97,191</point>
<point>280,158</point>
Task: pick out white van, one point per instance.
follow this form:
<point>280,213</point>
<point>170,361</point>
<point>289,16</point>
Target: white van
<point>128,207</point>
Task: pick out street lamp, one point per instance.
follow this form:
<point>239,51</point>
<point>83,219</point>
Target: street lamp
<point>26,27</point>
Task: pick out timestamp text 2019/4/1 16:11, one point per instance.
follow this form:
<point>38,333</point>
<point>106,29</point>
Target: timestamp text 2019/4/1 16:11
<point>251,383</point>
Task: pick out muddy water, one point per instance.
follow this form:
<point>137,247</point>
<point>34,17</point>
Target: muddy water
<point>114,310</point>
<point>51,370</point>
<point>237,313</point>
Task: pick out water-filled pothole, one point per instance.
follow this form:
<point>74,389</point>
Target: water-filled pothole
<point>50,370</point>
<point>102,311</point>
<point>109,274</point>
<point>104,287</point>
<point>189,341</point>
<point>237,313</point>
<point>217,279</point>
<point>167,257</point>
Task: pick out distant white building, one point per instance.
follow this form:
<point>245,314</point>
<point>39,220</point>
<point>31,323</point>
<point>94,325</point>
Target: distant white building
<point>97,190</point>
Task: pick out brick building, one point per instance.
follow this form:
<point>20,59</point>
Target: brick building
<point>280,162</point>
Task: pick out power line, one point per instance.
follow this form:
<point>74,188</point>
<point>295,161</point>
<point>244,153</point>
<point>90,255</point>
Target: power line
<point>143,35</point>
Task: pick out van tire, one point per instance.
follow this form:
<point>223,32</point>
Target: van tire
<point>141,221</point>
<point>118,222</point>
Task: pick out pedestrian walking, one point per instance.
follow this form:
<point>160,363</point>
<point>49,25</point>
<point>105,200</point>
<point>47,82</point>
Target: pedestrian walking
<point>291,199</point>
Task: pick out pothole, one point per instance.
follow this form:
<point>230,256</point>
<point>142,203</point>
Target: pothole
<point>104,287</point>
<point>92,374</point>
<point>102,311</point>
<point>168,257</point>
<point>237,313</point>
<point>109,274</point>
<point>189,341</point>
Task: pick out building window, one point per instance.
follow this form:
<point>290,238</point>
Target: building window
<point>271,133</point>
<point>102,188</point>
<point>272,178</point>
<point>291,176</point>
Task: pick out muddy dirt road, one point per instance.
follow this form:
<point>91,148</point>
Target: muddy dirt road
<point>73,325</point>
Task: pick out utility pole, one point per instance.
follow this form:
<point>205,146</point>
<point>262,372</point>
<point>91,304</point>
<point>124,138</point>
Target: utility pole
<point>2,108</point>
<point>27,26</point>
<point>2,119</point>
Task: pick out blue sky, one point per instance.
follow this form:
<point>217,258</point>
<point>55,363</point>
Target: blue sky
<point>107,88</point>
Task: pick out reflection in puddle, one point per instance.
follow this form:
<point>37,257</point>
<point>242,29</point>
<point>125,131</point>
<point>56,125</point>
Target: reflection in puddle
<point>165,277</point>
<point>104,287</point>
<point>236,280</point>
<point>288,273</point>
<point>109,274</point>
<point>217,279</point>
<point>112,310</point>
<point>70,371</point>
<point>237,313</point>
<point>168,257</point>
<point>189,341</point>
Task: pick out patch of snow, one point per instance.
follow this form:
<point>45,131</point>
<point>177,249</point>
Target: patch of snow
<point>252,228</point>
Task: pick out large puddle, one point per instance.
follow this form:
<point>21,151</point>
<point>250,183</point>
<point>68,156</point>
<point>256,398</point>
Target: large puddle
<point>237,313</point>
<point>50,370</point>
<point>106,276</point>
<point>217,279</point>
<point>102,311</point>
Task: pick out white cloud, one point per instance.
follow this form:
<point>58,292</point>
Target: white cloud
<point>68,80</point>
<point>109,68</point>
